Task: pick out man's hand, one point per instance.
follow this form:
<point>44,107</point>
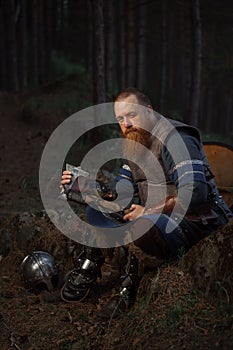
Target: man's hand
<point>66,177</point>
<point>78,185</point>
<point>136,210</point>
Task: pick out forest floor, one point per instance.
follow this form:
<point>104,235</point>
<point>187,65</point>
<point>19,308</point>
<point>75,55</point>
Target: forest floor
<point>170,312</point>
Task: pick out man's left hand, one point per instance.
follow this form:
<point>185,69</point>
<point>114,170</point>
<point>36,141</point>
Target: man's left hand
<point>136,210</point>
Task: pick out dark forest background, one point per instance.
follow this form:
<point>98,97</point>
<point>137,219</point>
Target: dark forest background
<point>179,52</point>
<point>58,57</point>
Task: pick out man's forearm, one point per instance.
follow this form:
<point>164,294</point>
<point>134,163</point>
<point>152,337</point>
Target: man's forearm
<point>165,207</point>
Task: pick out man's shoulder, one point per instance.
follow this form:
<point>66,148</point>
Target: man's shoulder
<point>186,131</point>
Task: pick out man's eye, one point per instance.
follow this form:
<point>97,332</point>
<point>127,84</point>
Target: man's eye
<point>120,119</point>
<point>132,115</point>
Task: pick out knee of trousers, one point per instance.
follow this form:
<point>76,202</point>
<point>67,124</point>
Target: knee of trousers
<point>153,243</point>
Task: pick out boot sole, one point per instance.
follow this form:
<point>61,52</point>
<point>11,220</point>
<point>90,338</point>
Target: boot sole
<point>73,301</point>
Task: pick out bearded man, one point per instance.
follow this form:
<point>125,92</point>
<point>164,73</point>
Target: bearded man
<point>178,202</point>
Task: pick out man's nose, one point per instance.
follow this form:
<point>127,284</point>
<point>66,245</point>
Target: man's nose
<point>127,122</point>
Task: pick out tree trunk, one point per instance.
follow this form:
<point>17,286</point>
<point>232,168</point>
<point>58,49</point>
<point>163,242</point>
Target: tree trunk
<point>64,23</point>
<point>59,24</point>
<point>3,76</point>
<point>141,54</point>
<point>121,54</point>
<point>35,64</point>
<point>131,45</point>
<point>184,80</point>
<point>209,109</point>
<point>89,30</point>
<point>99,95</point>
<point>171,73</point>
<point>49,31</point>
<point>163,81</point>
<point>228,130</point>
<point>196,86</point>
<point>41,41</point>
<point>110,46</point>
<point>12,58</point>
<point>24,45</point>
<point>183,63</point>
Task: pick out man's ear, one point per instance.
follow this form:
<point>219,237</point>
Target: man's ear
<point>149,109</point>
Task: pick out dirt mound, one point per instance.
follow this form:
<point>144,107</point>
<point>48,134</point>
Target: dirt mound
<point>170,311</point>
<point>210,264</point>
<point>33,318</point>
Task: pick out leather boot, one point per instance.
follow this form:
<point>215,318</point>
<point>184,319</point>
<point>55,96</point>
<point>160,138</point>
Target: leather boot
<point>123,300</point>
<point>83,278</point>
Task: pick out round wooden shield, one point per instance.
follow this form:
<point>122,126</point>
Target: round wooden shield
<point>220,157</point>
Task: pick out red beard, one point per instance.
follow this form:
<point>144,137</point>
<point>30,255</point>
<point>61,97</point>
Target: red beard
<point>141,137</point>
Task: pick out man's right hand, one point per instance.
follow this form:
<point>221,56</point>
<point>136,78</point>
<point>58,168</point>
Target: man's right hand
<point>66,177</point>
<point>79,184</point>
<point>73,193</point>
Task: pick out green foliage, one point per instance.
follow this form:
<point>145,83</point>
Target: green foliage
<point>110,94</point>
<point>83,317</point>
<point>216,137</point>
<point>223,305</point>
<point>174,314</point>
<point>190,299</point>
<point>58,100</point>
<point>176,115</point>
<point>181,252</point>
<point>64,67</point>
